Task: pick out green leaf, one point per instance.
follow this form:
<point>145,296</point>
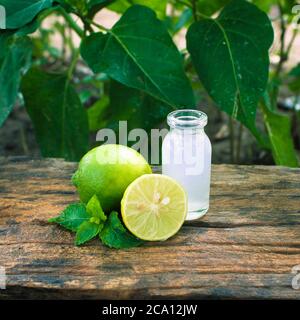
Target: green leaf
<point>19,13</point>
<point>96,114</point>
<point>58,116</point>
<point>114,235</point>
<point>5,36</point>
<point>264,5</point>
<point>29,28</point>
<point>86,232</point>
<point>67,5</point>
<point>74,6</point>
<point>295,72</point>
<point>94,208</point>
<point>84,8</point>
<point>209,7</point>
<point>279,131</point>
<point>294,79</point>
<point>230,54</point>
<point>159,6</point>
<point>175,23</point>
<point>33,25</point>
<point>72,217</point>
<point>96,5</point>
<point>139,53</point>
<point>287,6</point>
<point>140,109</point>
<point>185,18</point>
<point>16,59</point>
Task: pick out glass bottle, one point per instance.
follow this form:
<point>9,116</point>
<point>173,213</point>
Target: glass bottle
<point>186,157</point>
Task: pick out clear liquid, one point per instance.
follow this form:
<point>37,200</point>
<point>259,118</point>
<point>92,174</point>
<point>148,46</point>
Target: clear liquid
<point>186,157</point>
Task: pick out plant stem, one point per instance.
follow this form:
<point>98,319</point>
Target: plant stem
<point>282,54</point>
<point>72,23</point>
<point>64,42</point>
<point>203,16</point>
<point>231,128</point>
<point>194,8</point>
<point>289,47</point>
<point>99,26</point>
<point>73,65</point>
<point>282,57</point>
<point>23,141</point>
<point>71,43</point>
<point>239,143</point>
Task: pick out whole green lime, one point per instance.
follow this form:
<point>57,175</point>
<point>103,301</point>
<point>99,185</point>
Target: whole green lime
<point>107,171</point>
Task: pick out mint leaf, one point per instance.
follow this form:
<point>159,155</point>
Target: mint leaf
<point>114,235</point>
<point>89,220</point>
<point>94,209</point>
<point>86,232</point>
<point>72,217</point>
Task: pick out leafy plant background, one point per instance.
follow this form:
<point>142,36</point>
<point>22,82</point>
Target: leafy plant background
<point>135,69</point>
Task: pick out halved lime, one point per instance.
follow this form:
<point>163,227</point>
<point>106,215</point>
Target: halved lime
<point>154,207</point>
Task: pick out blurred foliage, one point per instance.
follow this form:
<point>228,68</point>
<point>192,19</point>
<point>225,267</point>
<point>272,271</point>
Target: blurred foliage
<point>58,116</point>
<point>137,73</point>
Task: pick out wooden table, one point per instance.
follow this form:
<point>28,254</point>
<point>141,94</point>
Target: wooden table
<point>245,247</point>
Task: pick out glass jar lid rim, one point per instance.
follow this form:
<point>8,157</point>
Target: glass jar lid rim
<point>187,119</point>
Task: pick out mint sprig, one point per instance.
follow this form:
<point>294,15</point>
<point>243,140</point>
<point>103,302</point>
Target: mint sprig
<point>89,221</point>
<point>114,235</point>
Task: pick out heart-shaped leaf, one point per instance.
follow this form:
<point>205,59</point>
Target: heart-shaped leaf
<point>139,52</point>
<point>230,54</point>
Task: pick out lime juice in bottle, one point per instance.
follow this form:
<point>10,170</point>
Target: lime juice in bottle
<point>186,157</point>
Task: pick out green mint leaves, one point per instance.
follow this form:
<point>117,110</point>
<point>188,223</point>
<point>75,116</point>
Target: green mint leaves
<point>87,231</point>
<point>95,210</point>
<point>86,220</point>
<point>89,221</point>
<point>114,235</point>
<point>72,217</point>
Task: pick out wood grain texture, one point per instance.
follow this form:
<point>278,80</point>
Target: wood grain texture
<point>245,247</point>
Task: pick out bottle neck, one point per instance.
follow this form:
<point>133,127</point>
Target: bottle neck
<point>187,131</point>
<point>187,121</point>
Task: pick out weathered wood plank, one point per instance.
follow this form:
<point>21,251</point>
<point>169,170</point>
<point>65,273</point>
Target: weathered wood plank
<point>245,247</point>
